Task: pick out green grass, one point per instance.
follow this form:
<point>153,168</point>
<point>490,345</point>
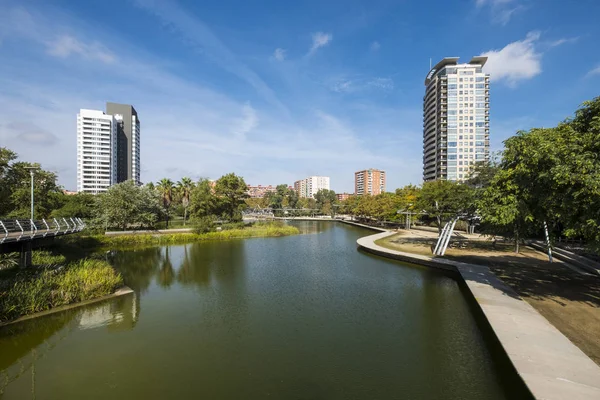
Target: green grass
<point>34,290</point>
<point>118,241</point>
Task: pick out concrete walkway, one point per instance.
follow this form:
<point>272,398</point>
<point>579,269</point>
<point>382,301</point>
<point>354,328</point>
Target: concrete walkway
<point>550,365</point>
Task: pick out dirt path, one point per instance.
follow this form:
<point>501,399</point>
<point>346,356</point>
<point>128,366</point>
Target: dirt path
<point>570,301</point>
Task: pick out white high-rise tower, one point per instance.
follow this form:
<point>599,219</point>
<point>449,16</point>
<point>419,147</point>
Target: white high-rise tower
<point>96,151</point>
<point>456,130</point>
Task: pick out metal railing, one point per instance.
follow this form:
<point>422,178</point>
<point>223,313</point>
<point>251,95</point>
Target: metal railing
<point>16,230</point>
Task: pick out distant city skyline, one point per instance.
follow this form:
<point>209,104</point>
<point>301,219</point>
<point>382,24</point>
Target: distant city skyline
<point>274,92</point>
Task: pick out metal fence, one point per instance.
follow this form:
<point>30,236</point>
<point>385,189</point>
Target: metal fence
<point>15,230</point>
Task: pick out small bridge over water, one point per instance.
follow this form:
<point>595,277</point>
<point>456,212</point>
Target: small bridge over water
<point>23,235</point>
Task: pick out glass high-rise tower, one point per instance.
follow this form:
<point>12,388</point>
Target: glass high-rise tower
<point>456,128</point>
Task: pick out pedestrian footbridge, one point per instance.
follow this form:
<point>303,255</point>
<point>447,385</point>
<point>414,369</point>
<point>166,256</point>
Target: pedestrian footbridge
<point>21,235</point>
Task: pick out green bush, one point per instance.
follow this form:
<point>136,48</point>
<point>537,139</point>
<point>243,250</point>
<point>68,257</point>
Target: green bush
<point>233,225</point>
<point>39,290</point>
<point>203,225</point>
<point>46,258</point>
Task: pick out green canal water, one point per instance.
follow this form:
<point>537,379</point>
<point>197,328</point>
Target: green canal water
<point>299,317</point>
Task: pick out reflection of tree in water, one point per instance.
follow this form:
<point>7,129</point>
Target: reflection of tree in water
<point>165,274</point>
<point>204,262</point>
<point>138,266</point>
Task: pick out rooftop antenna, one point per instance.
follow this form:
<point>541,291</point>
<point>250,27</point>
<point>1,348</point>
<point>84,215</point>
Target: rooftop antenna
<point>430,63</point>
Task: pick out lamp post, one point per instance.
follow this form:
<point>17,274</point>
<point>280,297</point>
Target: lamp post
<point>32,172</point>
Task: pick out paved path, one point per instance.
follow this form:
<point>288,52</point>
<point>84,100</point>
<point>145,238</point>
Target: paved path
<point>551,366</point>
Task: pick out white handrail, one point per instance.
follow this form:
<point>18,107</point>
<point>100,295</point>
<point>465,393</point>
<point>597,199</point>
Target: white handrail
<point>47,227</point>
<point>5,232</point>
<point>33,228</point>
<point>20,227</point>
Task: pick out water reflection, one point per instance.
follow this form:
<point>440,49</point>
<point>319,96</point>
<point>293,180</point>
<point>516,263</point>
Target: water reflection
<point>310,227</point>
<point>118,315</point>
<point>166,275</point>
<point>304,316</point>
<point>25,343</point>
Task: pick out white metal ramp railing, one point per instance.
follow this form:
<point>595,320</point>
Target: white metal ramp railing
<point>444,238</point>
<point>16,230</point>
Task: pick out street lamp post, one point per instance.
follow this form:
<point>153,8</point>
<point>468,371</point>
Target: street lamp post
<point>32,172</point>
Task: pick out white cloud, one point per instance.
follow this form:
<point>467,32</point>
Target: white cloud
<point>501,11</point>
<point>381,83</point>
<point>320,39</point>
<point>248,122</point>
<point>375,46</point>
<point>515,62</point>
<point>361,84</point>
<point>215,132</point>
<point>65,45</point>
<point>564,41</point>
<point>594,71</point>
<point>279,54</point>
<point>481,3</point>
<point>30,134</point>
<point>196,34</point>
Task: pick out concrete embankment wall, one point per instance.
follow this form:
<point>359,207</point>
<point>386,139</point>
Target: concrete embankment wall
<point>549,364</point>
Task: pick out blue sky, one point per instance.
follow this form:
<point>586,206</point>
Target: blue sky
<point>275,90</point>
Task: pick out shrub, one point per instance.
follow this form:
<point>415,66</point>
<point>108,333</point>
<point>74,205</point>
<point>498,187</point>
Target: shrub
<point>39,290</point>
<point>233,225</point>
<point>203,225</point>
<point>46,258</point>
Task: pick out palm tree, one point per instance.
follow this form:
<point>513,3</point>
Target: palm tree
<point>165,189</point>
<point>184,187</point>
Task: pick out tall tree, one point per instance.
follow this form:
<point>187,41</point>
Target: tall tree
<point>231,192</point>
<point>326,201</point>
<point>165,190</point>
<point>202,200</point>
<point>127,205</point>
<point>79,205</point>
<point>48,194</point>
<point>184,188</point>
<point>503,208</point>
<point>443,200</point>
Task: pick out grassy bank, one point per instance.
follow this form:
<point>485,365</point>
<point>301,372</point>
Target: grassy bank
<point>103,241</point>
<point>48,285</point>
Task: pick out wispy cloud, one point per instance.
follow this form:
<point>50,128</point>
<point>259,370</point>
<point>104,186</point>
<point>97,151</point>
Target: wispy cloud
<point>211,130</point>
<point>247,122</point>
<point>353,85</point>
<point>66,45</point>
<point>562,41</point>
<point>197,34</point>
<point>279,54</point>
<point>30,134</point>
<point>375,46</point>
<point>319,39</point>
<point>501,11</point>
<point>593,71</point>
<point>515,62</point>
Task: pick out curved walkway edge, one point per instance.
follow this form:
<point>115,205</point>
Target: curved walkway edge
<point>123,290</point>
<point>551,366</point>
